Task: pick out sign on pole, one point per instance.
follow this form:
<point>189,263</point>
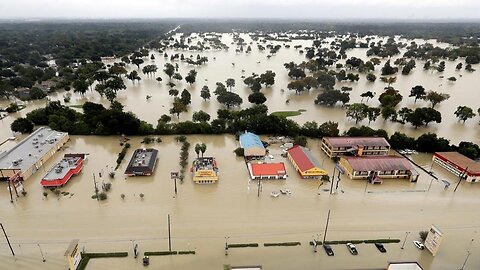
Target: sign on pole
<point>433,240</point>
<point>173,175</point>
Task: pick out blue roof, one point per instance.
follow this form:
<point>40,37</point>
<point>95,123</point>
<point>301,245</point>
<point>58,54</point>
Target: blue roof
<point>249,140</point>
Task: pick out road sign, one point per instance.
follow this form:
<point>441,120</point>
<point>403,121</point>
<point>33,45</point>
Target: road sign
<point>173,175</point>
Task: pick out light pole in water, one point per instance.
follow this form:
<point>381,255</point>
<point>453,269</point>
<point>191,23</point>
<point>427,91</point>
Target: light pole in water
<point>8,241</point>
<point>404,240</point>
<point>226,245</point>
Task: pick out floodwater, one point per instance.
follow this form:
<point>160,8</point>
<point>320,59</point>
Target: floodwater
<point>219,68</point>
<point>203,215</point>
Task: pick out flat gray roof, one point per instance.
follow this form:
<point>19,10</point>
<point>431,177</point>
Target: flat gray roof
<point>142,161</point>
<point>62,168</point>
<point>27,152</point>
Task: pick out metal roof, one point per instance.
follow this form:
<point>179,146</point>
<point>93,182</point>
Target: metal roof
<point>27,152</point>
<point>303,158</point>
<point>250,140</point>
<point>379,163</point>
<point>356,141</point>
<point>461,161</point>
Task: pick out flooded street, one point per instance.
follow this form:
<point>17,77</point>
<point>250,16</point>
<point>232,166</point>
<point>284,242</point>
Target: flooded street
<point>203,215</point>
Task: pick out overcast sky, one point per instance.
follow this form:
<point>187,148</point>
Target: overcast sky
<point>288,9</point>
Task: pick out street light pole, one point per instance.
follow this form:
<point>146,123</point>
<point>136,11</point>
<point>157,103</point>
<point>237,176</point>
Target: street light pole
<point>41,252</point>
<point>8,241</point>
<point>226,245</point>
<point>466,259</point>
<point>404,240</point>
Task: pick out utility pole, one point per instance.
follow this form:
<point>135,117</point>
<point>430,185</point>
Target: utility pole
<point>259,186</point>
<point>169,235</point>
<point>8,241</point>
<point>404,240</point>
<point>175,180</point>
<point>135,249</point>
<point>315,242</point>
<point>460,177</point>
<point>326,227</point>
<point>41,252</point>
<point>95,186</point>
<point>333,179</point>
<point>226,245</point>
<point>466,259</point>
<point>10,190</point>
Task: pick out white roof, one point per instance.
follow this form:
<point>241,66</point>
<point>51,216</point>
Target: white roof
<point>27,152</point>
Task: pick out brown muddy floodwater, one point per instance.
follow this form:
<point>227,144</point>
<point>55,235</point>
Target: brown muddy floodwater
<point>219,67</point>
<point>202,215</point>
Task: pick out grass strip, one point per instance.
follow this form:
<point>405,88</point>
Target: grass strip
<point>287,113</point>
<point>369,241</point>
<point>160,253</point>
<point>243,245</point>
<point>282,244</point>
<point>87,256</point>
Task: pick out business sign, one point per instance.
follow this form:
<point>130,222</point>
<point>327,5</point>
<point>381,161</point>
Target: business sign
<point>433,240</point>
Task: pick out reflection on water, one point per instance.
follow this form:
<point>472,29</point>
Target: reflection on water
<point>202,215</point>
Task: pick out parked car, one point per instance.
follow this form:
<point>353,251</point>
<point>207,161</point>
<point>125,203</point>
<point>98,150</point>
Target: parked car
<point>328,250</point>
<point>419,244</point>
<point>351,247</point>
<point>380,247</point>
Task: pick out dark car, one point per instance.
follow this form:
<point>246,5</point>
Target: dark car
<point>380,247</point>
<point>328,250</point>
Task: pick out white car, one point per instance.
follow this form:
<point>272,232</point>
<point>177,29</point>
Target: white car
<point>419,244</point>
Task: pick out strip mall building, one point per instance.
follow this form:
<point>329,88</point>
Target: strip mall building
<point>458,164</point>
<point>31,153</point>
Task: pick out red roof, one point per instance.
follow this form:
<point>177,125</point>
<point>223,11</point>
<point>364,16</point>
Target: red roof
<point>265,169</point>
<point>303,158</point>
<point>460,161</point>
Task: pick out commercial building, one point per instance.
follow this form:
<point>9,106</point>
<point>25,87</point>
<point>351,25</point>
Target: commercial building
<point>376,168</point>
<point>458,164</point>
<point>267,170</point>
<point>404,266</point>
<point>355,146</point>
<point>252,145</point>
<point>73,254</point>
<point>205,170</point>
<point>142,162</point>
<point>305,163</point>
<point>31,153</point>
<point>58,175</point>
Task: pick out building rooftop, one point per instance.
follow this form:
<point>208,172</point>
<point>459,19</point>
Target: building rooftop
<point>404,266</point>
<point>204,163</point>
<point>461,161</point>
<point>142,161</point>
<point>303,158</point>
<point>27,152</point>
<point>249,140</point>
<point>60,170</point>
<point>379,163</point>
<point>268,169</point>
<point>355,141</point>
<point>71,247</point>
